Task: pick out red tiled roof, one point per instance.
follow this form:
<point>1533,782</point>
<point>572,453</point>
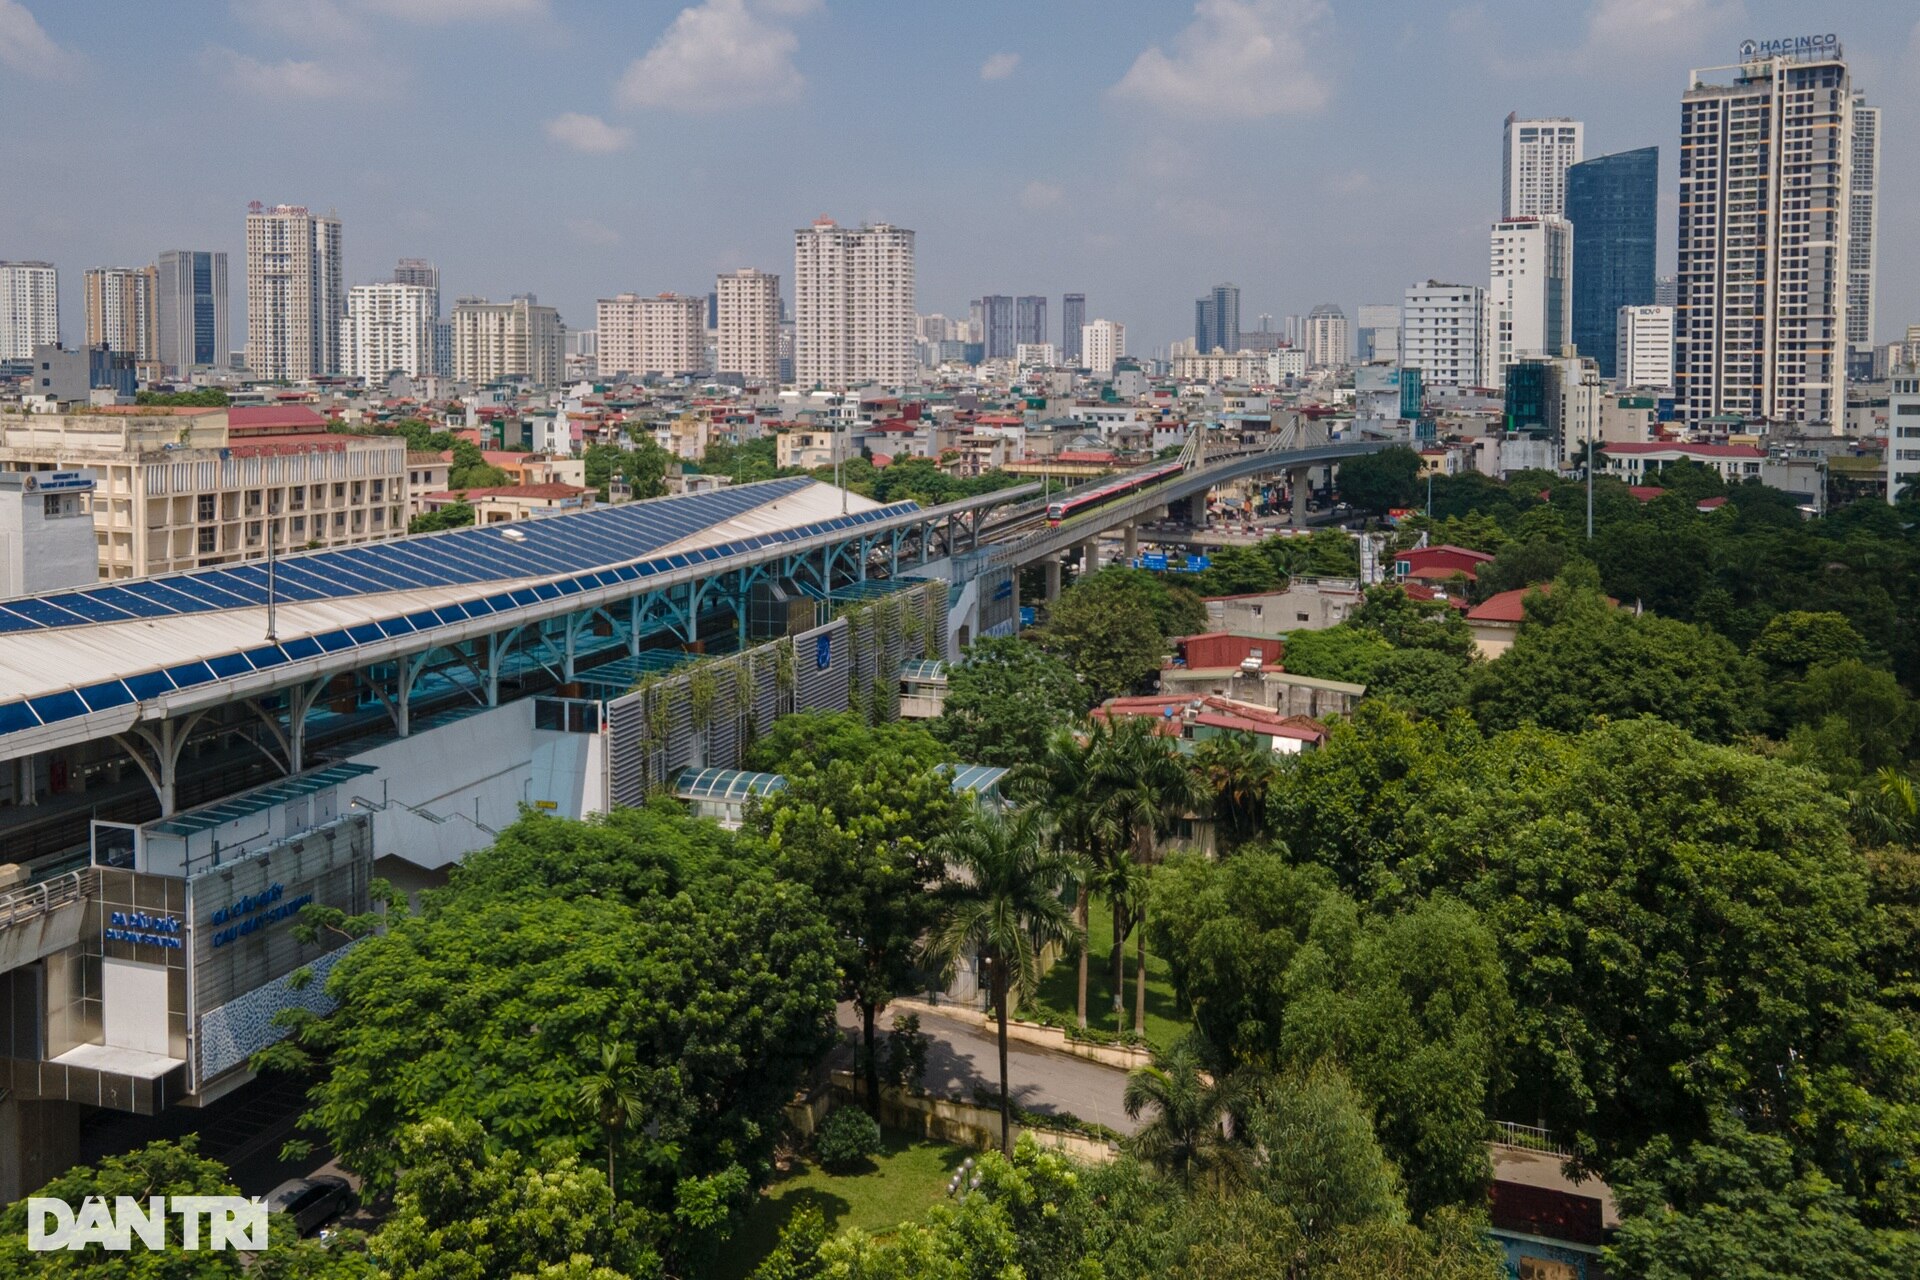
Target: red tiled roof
<point>1700,450</point>
<point>1508,606</point>
<point>274,445</point>
<point>516,491</point>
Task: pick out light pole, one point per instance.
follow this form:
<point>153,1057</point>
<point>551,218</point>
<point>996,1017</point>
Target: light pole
<point>272,582</point>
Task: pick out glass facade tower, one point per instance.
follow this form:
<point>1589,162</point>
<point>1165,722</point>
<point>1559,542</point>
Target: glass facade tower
<point>1613,204</point>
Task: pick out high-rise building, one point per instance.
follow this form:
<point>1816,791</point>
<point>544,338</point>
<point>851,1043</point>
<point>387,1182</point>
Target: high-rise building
<point>1530,301</point>
<point>29,308</point>
<point>853,304</point>
<point>1329,344</point>
<point>123,309</point>
<point>1102,343</point>
<point>1666,291</point>
<point>996,312</point>
<point>664,334</point>
<point>192,310</point>
<point>1863,225</point>
<point>1613,204</point>
<point>1766,151</point>
<point>750,325</point>
<point>1216,320</point>
<point>1378,332</point>
<point>390,329</point>
<point>1443,333</point>
<point>425,274</point>
<point>497,340</point>
<point>1030,320</point>
<point>1903,430</point>
<point>1073,318</point>
<point>1643,347</point>
<point>1534,163</point>
<point>1293,331</point>
<point>296,292</point>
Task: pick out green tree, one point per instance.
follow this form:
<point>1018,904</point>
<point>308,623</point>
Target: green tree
<point>1378,481</point>
<point>1738,1206</point>
<point>1850,719</point>
<point>454,515</point>
<point>612,1091</point>
<point>1000,902</point>
<point>1425,681</point>
<point>1521,564</point>
<point>1233,571</point>
<point>642,464</point>
<point>1405,623</point>
<point>1345,652</point>
<point>1187,1134</point>
<point>1578,659</point>
<point>1107,630</point>
<point>1065,783</point>
<point>464,1212</point>
<point>203,398</point>
<point>1329,553</point>
<point>1322,1160</point>
<point>1004,699</point>
<point>856,827</point>
<point>1794,643</point>
<point>470,469</point>
<point>1239,775</point>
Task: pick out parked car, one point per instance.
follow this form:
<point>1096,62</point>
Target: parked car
<point>311,1202</point>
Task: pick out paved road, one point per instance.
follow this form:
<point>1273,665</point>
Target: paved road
<point>962,1055</point>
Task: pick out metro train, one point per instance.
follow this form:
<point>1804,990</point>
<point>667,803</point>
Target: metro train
<point>1118,487</point>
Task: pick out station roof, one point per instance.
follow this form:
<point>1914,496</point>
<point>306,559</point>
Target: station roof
<point>259,800</point>
<point>71,653</point>
<point>731,785</point>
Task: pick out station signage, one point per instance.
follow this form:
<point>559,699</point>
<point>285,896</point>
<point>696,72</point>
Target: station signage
<point>143,929</point>
<point>254,912</point>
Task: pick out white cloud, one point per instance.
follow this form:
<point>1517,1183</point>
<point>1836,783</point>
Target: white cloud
<point>1041,195</point>
<point>717,56</point>
<point>587,231</point>
<point>587,133</point>
<point>434,12</point>
<point>27,48</point>
<point>1643,24</point>
<point>288,78</point>
<point>1245,59</point>
<point>999,66</point>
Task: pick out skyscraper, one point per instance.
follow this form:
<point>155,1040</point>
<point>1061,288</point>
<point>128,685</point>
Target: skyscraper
<point>1030,320</point>
<point>1530,299</point>
<point>122,306</point>
<point>29,308</point>
<point>1643,341</point>
<point>1613,204</point>
<point>1443,331</point>
<point>750,325</point>
<point>1863,227</point>
<point>1765,177</point>
<point>296,292</point>
<point>1216,320</point>
<point>996,312</point>
<point>425,274</point>
<point>1534,161</point>
<point>1329,342</point>
<point>192,311</point>
<point>390,328</point>
<point>1103,342</point>
<point>1073,318</point>
<point>853,304</point>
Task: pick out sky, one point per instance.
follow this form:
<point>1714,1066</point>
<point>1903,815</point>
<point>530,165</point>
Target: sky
<point>1308,150</point>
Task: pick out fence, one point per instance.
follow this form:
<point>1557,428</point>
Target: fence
<point>1528,1137</point>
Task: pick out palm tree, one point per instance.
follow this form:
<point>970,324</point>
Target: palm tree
<point>1000,900</point>
<point>1061,783</point>
<point>1186,1135</point>
<point>1239,774</point>
<point>612,1089</point>
<point>1887,807</point>
<point>1145,787</point>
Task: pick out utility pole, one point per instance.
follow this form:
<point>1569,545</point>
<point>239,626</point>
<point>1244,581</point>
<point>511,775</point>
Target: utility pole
<point>1589,480</point>
<point>272,582</point>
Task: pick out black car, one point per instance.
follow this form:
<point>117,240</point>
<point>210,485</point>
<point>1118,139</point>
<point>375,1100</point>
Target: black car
<point>311,1202</point>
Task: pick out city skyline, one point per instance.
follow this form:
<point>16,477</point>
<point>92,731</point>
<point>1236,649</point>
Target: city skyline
<point>1125,207</point>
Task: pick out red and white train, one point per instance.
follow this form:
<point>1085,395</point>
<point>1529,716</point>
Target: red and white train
<point>1107,491</point>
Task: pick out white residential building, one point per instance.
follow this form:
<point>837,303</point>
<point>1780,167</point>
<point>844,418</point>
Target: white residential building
<point>1378,331</point>
<point>1643,347</point>
<point>1534,163</point>
<point>1036,355</point>
<point>749,341</point>
<point>1101,343</point>
<point>390,329</point>
<point>1766,152</point>
<point>1903,431</point>
<point>853,305</point>
<point>1530,299</point>
<point>517,339</point>
<point>1329,341</point>
<point>1443,332</point>
<point>664,334</point>
<point>1863,223</point>
<point>296,293</point>
<point>29,308</point>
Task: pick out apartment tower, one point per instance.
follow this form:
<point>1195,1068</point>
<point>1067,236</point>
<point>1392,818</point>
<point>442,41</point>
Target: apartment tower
<point>749,325</point>
<point>296,292</point>
<point>853,304</point>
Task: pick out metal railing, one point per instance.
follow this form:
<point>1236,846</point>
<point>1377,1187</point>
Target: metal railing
<point>1528,1137</point>
<point>35,900</point>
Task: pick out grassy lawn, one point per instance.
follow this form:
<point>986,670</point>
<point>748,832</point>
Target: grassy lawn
<point>1059,990</point>
<point>908,1177</point>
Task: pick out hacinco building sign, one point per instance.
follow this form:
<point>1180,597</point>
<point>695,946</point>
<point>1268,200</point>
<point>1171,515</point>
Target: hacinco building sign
<point>1826,46</point>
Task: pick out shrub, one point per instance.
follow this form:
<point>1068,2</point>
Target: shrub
<point>847,1138</point>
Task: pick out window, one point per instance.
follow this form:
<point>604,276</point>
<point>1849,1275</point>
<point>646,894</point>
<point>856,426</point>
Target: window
<point>204,508</point>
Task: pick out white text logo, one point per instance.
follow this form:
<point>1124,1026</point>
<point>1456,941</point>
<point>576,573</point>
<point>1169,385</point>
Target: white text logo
<point>231,1222</point>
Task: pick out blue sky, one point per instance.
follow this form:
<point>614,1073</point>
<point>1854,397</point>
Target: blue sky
<point>1133,151</point>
